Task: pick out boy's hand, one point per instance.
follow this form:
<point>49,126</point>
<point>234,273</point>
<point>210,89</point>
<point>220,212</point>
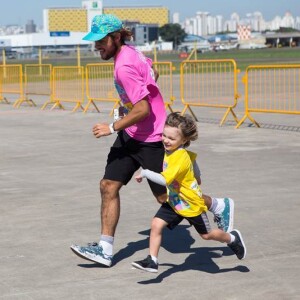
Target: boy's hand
<point>139,178</point>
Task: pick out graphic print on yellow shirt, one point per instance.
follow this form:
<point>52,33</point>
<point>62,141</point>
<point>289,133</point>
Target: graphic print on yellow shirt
<point>184,193</point>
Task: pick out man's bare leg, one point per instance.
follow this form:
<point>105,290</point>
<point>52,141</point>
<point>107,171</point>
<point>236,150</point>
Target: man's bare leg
<point>102,253</point>
<point>110,206</point>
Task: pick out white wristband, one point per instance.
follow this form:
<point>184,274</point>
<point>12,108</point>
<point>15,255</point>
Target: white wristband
<point>111,128</point>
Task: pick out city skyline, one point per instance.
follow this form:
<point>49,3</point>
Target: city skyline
<point>22,12</point>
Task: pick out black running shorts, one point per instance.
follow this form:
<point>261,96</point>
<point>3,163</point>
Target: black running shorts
<point>127,155</point>
<point>166,213</point>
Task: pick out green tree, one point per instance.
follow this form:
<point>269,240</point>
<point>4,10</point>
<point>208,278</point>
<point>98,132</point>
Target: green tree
<point>286,29</point>
<point>172,33</point>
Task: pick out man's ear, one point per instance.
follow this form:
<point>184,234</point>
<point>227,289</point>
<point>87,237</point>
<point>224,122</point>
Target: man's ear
<point>117,37</point>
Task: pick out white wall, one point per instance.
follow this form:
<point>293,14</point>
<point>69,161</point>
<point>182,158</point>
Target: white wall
<point>44,39</point>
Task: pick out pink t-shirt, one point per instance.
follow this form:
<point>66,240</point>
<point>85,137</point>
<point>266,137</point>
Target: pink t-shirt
<point>134,80</point>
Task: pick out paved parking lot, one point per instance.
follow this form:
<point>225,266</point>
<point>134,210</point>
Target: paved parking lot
<point>50,166</point>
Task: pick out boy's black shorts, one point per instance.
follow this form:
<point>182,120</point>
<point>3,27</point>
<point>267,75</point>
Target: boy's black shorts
<point>166,213</point>
<point>127,155</point>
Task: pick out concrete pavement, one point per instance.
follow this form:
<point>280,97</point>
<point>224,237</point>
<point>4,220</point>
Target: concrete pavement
<point>50,166</point>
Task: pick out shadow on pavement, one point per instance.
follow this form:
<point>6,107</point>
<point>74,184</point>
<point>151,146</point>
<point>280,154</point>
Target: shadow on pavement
<point>178,240</point>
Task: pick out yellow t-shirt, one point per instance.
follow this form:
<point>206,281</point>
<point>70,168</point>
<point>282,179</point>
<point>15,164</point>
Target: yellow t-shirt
<point>184,193</point>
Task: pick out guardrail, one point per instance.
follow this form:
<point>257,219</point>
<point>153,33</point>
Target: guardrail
<point>165,82</point>
<point>100,85</point>
<point>209,83</point>
<point>203,83</point>
<point>11,82</point>
<point>38,81</point>
<point>68,86</point>
<point>271,89</point>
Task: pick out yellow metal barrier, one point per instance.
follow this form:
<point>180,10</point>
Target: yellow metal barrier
<point>37,79</point>
<point>11,82</point>
<point>68,86</point>
<point>209,83</point>
<point>271,89</point>
<point>193,53</point>
<point>100,85</point>
<point>2,98</point>
<point>165,82</point>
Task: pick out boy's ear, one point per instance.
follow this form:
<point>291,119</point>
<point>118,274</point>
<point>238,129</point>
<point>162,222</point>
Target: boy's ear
<point>184,141</point>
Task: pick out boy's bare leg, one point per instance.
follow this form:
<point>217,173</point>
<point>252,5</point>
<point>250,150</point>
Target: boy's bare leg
<point>223,211</point>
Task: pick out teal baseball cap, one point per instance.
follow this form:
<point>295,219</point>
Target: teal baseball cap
<point>101,26</point>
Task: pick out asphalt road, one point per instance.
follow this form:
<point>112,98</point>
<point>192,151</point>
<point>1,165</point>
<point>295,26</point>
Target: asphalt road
<point>50,166</point>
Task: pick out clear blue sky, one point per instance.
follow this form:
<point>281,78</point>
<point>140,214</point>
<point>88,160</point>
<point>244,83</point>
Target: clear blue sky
<point>20,11</point>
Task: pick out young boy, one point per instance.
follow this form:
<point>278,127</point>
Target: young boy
<point>185,200</point>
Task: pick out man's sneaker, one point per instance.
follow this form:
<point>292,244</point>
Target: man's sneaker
<point>224,219</point>
<point>238,246</point>
<point>93,252</point>
<point>147,265</point>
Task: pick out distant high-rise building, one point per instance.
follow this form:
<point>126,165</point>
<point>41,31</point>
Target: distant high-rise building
<point>143,33</point>
<point>257,21</point>
<point>219,23</point>
<point>288,20</point>
<point>202,20</point>
<point>297,23</point>
<point>275,23</point>
<point>30,27</point>
<point>175,19</point>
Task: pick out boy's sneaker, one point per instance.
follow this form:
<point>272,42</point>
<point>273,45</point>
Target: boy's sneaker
<point>93,252</point>
<point>147,265</point>
<point>238,246</point>
<point>224,219</point>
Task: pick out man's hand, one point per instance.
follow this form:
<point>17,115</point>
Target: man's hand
<point>101,129</point>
